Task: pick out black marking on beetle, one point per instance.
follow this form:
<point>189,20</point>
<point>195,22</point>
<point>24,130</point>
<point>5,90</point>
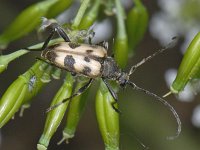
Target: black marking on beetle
<point>87,59</point>
<point>86,70</point>
<point>53,46</point>
<point>89,51</point>
<point>69,62</point>
<point>73,45</point>
<point>50,55</point>
<point>99,59</point>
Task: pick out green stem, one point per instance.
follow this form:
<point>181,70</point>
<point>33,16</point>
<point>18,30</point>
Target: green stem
<point>80,13</point>
<point>6,59</point>
<point>120,19</point>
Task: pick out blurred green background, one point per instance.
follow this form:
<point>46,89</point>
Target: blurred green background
<point>143,120</point>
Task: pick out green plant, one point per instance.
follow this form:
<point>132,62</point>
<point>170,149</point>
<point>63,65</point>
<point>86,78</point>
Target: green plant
<point>88,13</point>
<point>129,31</point>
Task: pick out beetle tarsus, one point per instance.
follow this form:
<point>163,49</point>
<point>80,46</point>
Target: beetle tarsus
<point>115,108</point>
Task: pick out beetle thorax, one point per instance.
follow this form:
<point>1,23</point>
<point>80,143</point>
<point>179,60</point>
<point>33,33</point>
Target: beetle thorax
<point>110,69</point>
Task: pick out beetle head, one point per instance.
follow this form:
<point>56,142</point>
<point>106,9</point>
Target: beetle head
<point>123,79</point>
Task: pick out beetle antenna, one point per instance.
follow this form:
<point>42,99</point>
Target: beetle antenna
<point>134,86</point>
<point>144,60</point>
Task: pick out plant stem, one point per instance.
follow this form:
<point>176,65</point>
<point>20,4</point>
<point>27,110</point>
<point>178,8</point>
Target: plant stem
<point>80,13</point>
<point>120,19</point>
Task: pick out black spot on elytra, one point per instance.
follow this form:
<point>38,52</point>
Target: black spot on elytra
<point>50,55</point>
<point>73,45</point>
<point>52,47</point>
<point>86,70</point>
<point>89,51</point>
<point>69,62</point>
<point>87,59</point>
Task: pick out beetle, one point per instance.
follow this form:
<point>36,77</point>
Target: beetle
<point>93,62</point>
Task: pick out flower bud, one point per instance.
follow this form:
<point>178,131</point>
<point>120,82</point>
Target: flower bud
<point>12,99</point>
<point>136,24</point>
<point>29,19</point>
<point>20,92</point>
<point>108,118</point>
<point>77,107</point>
<point>121,41</point>
<point>55,116</point>
<point>189,67</point>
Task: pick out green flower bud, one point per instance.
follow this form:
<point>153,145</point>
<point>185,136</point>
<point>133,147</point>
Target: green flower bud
<point>20,92</point>
<point>58,7</point>
<point>25,22</point>
<point>189,67</point>
<point>34,75</point>
<point>121,51</point>
<point>121,41</point>
<point>55,116</point>
<point>77,107</point>
<point>12,99</point>
<point>108,118</point>
<point>136,24</point>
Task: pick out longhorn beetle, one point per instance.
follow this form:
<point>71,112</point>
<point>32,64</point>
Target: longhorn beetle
<point>92,61</point>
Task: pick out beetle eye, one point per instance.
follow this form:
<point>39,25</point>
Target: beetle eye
<point>122,82</point>
<point>122,85</point>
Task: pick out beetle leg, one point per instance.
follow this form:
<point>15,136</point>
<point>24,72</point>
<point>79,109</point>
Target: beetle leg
<point>103,44</point>
<point>48,40</point>
<point>90,40</point>
<point>62,33</point>
<point>44,46</point>
<point>79,92</point>
<point>91,35</point>
<point>114,95</point>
